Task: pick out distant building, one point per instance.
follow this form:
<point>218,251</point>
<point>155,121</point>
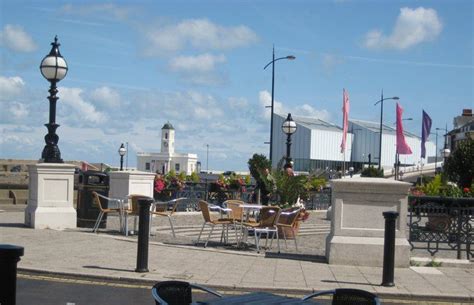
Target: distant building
<point>316,145</point>
<point>167,159</point>
<point>463,129</point>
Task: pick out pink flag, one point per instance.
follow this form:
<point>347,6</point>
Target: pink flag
<point>345,118</point>
<point>402,146</point>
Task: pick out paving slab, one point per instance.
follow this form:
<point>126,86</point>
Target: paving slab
<point>109,255</point>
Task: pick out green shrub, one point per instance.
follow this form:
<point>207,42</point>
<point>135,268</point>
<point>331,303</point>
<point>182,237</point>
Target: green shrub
<point>372,172</point>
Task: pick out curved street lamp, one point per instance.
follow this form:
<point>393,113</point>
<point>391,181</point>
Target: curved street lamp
<point>289,57</point>
<point>122,151</point>
<point>381,118</point>
<point>54,68</point>
<point>289,128</point>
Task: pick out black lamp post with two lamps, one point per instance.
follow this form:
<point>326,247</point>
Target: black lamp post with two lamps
<point>289,128</point>
<point>122,151</point>
<point>54,68</point>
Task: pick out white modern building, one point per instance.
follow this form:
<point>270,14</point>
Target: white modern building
<point>367,141</point>
<point>167,159</point>
<point>316,145</point>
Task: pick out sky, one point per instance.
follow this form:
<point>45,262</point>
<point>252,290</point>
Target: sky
<point>135,65</point>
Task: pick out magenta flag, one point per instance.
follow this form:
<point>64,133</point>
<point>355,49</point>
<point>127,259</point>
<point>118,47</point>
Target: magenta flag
<point>345,118</point>
<point>402,146</point>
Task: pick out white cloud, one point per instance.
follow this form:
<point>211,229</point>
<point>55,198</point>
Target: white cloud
<point>413,26</point>
<point>106,96</point>
<point>201,63</point>
<point>18,110</point>
<point>265,99</point>
<point>199,70</point>
<point>200,34</point>
<point>15,38</point>
<point>80,111</point>
<point>10,87</point>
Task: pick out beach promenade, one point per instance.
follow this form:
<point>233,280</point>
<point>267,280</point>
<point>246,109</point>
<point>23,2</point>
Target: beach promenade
<point>108,255</point>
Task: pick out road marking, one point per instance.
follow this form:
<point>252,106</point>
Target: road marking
<point>79,281</point>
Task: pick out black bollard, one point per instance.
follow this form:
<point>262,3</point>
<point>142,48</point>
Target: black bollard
<point>143,233</point>
<point>9,257</point>
<point>389,249</point>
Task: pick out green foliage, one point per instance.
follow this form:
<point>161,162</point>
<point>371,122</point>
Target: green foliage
<point>182,176</point>
<point>459,166</point>
<point>194,177</point>
<point>256,164</point>
<point>247,179</point>
<point>371,172</point>
<point>433,187</point>
<point>438,187</point>
<point>289,188</point>
<point>433,263</point>
<point>171,174</point>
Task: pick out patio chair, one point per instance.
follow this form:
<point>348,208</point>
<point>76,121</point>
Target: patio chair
<point>206,214</point>
<point>267,224</point>
<point>346,296</point>
<point>161,209</point>
<point>104,209</point>
<point>237,214</point>
<point>177,292</point>
<point>133,210</point>
<point>287,221</point>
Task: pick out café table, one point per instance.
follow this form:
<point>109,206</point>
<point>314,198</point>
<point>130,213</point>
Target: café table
<point>256,298</point>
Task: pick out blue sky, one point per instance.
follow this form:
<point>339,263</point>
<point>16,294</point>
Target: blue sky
<point>134,65</point>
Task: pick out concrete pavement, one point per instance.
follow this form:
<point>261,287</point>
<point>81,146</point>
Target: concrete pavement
<point>112,256</point>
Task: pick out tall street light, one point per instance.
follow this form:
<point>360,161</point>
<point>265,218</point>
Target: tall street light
<point>54,68</point>
<point>381,119</point>
<point>289,128</point>
<point>289,57</point>
<point>446,152</point>
<point>122,151</point>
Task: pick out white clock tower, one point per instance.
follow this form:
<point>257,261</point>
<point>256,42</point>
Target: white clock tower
<point>167,139</point>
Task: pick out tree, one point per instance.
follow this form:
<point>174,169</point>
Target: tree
<point>256,165</point>
<point>459,165</point>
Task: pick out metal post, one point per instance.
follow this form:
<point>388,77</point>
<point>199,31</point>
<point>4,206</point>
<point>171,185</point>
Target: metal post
<point>271,118</point>
<point>288,149</point>
<point>51,153</point>
<point>370,157</point>
<point>9,257</point>
<point>143,233</point>
<point>380,139</point>
<point>436,151</point>
<point>389,249</point>
<point>121,163</point>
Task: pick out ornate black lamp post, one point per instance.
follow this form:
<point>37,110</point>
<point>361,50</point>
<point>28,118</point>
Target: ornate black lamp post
<point>289,128</point>
<point>54,68</point>
<point>122,151</point>
<point>381,118</point>
<point>289,57</point>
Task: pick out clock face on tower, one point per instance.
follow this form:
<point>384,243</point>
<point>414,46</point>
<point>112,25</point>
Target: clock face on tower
<point>165,144</point>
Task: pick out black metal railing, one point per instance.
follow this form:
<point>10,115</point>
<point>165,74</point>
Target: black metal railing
<point>202,191</point>
<point>441,223</point>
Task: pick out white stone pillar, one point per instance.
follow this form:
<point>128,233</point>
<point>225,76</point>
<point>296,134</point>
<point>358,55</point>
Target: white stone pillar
<point>124,183</point>
<point>357,223</point>
<point>51,196</point>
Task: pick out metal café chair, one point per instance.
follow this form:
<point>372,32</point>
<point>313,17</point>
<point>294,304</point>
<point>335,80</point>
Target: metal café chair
<point>347,296</point>
<point>105,209</point>
<point>177,292</point>
<point>161,209</point>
